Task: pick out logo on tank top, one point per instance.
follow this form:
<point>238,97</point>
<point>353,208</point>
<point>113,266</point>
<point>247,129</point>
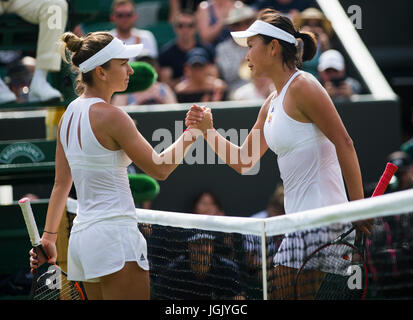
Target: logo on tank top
<point>269,118</point>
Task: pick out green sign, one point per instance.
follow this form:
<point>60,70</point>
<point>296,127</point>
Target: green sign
<point>21,149</point>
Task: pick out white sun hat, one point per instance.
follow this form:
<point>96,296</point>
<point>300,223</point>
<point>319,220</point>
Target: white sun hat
<point>331,59</point>
<point>261,27</point>
<point>115,49</point>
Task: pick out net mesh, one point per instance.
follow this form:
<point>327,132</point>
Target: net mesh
<point>208,257</point>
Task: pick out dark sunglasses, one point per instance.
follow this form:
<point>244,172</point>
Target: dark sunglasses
<point>124,15</point>
<point>184,25</point>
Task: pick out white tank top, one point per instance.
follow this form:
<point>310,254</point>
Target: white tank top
<point>100,175</point>
<point>307,159</point>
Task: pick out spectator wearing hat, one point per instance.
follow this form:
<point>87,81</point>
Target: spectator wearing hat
<point>333,76</point>
<point>124,16</point>
<point>173,54</point>
<point>194,274</point>
<point>313,20</point>
<point>229,55</point>
<point>199,85</point>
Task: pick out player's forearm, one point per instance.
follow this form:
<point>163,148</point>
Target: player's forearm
<point>350,168</point>
<point>57,204</point>
<point>228,152</point>
<point>170,158</point>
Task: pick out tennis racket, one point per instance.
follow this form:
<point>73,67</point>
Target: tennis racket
<point>49,281</point>
<point>336,270</point>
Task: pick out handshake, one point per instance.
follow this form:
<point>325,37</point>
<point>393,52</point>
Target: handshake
<point>199,118</point>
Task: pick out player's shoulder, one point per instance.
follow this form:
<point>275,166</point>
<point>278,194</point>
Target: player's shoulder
<point>305,86</point>
<point>304,80</point>
<point>107,114</point>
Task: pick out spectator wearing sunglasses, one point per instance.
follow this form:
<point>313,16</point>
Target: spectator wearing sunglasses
<point>174,54</point>
<point>124,16</point>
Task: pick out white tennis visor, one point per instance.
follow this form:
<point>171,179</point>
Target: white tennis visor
<point>261,27</point>
<point>114,50</point>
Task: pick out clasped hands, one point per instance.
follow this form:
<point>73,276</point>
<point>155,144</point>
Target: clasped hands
<point>200,118</point>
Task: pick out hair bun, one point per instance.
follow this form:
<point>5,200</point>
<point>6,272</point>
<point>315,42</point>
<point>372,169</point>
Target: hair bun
<point>73,42</point>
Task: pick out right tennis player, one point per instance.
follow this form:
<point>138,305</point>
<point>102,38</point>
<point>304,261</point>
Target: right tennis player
<point>301,125</point>
<point>96,143</point>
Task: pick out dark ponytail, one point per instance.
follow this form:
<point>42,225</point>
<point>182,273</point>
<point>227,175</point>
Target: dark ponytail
<point>291,54</point>
<point>310,44</point>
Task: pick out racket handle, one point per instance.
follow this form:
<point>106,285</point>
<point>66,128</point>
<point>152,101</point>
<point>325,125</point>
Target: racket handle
<point>30,222</point>
<point>385,179</point>
<point>378,191</point>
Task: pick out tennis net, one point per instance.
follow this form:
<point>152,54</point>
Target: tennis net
<point>220,257</point>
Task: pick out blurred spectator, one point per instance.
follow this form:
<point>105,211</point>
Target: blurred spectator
<point>178,6</point>
<point>408,145</point>
<point>403,177</point>
<point>195,274</point>
<point>124,16</point>
<point>211,17</point>
<point>199,85</point>
<point>208,203</point>
<point>174,54</point>
<point>19,75</point>
<point>229,55</point>
<point>275,206</point>
<point>48,56</point>
<point>288,7</point>
<point>158,93</point>
<point>256,89</point>
<point>333,76</point>
<point>313,20</point>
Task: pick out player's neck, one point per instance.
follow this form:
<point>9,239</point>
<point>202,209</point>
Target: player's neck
<point>97,92</point>
<point>281,76</point>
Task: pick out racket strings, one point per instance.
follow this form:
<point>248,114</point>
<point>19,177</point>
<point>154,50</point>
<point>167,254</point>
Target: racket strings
<point>335,263</point>
<point>56,289</point>
<point>67,292</point>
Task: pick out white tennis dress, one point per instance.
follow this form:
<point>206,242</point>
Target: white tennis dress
<point>311,176</point>
<point>104,234</point>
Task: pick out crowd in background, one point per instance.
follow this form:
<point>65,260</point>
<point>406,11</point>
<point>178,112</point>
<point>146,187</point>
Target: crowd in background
<point>201,63</point>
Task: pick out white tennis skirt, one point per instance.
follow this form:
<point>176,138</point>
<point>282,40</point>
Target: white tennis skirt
<point>103,248</point>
